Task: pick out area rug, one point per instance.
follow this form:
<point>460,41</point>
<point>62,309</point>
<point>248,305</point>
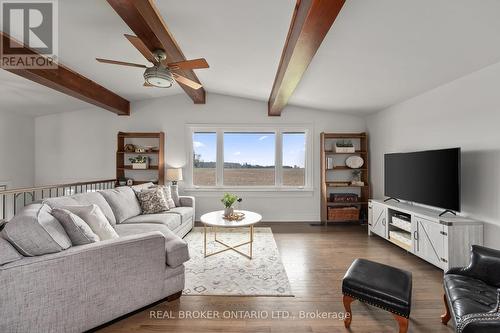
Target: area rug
<point>229,273</point>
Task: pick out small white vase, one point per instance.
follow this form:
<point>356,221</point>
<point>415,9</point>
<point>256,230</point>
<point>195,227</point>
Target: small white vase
<point>228,211</point>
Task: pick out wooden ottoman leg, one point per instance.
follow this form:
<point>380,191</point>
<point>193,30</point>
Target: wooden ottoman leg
<point>445,318</point>
<point>347,305</point>
<point>403,323</point>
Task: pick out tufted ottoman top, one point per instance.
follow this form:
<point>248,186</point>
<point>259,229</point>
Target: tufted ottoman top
<point>380,285</point>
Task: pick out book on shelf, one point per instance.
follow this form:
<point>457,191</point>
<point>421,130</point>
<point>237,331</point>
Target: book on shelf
<point>329,163</point>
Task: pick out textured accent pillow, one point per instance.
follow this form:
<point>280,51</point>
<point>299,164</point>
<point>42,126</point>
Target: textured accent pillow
<point>175,195</point>
<point>35,232</point>
<point>7,252</point>
<point>152,201</point>
<point>94,217</point>
<point>167,193</point>
<point>77,229</point>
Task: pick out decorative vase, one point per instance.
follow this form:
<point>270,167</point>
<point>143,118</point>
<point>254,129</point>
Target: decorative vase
<point>228,211</point>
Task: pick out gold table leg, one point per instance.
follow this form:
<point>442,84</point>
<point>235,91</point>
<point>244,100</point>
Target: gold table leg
<point>229,247</point>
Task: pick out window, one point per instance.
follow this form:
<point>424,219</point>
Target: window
<point>204,158</point>
<point>250,157</point>
<point>294,155</point>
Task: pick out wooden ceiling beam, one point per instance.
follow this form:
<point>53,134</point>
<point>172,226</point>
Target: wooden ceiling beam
<point>144,19</point>
<point>68,82</point>
<point>311,22</point>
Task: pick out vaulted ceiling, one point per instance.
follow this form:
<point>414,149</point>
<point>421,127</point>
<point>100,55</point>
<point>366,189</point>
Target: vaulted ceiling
<point>378,52</point>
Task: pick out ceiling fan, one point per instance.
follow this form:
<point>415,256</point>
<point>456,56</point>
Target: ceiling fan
<point>162,74</point>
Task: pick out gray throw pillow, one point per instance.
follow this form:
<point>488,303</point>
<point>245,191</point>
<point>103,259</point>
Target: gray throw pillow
<point>123,202</point>
<point>152,201</point>
<point>7,252</point>
<point>175,195</point>
<point>34,231</point>
<point>77,229</point>
<point>94,217</point>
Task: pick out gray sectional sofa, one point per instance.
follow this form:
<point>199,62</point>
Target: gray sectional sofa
<point>77,288</point>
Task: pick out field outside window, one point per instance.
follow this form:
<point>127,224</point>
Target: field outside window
<point>223,157</point>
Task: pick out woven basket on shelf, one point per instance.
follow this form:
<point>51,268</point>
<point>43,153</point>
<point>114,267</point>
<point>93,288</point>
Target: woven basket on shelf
<point>343,213</point>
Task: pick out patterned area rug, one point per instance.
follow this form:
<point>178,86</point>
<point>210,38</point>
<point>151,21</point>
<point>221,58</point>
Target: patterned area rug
<point>229,273</point>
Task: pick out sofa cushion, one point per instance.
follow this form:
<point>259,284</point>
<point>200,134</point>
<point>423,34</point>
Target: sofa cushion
<point>93,216</point>
<point>34,231</point>
<point>186,213</point>
<point>77,229</point>
<point>7,252</point>
<point>171,221</point>
<point>152,201</point>
<point>467,295</point>
<point>176,248</point>
<point>84,199</point>
<point>123,202</point>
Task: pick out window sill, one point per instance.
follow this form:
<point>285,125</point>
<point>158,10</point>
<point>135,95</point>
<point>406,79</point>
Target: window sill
<point>260,191</point>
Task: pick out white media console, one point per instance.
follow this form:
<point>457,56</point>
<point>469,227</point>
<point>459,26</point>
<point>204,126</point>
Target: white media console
<point>444,241</point>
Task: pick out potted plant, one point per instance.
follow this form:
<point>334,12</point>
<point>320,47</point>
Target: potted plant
<point>356,178</point>
<point>228,200</point>
<point>139,162</point>
<point>344,146</point>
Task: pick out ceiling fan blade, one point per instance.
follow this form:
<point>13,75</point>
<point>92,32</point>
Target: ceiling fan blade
<point>122,63</point>
<point>188,64</point>
<point>186,81</point>
<point>141,47</point>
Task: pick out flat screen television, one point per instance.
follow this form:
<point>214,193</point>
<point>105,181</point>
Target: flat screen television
<point>428,177</point>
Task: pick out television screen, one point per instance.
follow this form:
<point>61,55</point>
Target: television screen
<point>427,177</point>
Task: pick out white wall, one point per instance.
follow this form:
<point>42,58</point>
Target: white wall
<point>17,149</point>
<point>464,113</point>
<point>81,145</point>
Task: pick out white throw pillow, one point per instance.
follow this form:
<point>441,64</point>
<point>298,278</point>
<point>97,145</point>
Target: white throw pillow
<point>96,220</point>
<point>174,189</point>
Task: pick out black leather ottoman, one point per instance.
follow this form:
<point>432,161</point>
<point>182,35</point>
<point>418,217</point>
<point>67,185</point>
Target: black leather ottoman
<point>379,285</point>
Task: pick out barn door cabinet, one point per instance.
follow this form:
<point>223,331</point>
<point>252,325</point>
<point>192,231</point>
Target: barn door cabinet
<point>442,241</point>
<point>377,219</point>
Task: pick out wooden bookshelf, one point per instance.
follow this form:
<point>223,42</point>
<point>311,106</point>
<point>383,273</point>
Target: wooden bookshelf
<point>123,169</point>
<point>337,179</point>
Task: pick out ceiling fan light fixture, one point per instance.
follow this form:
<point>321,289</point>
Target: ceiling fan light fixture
<point>159,77</point>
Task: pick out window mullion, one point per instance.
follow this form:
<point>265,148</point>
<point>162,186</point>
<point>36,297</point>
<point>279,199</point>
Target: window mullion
<point>278,159</point>
<point>220,158</point>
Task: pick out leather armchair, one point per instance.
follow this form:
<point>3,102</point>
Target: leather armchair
<point>472,294</point>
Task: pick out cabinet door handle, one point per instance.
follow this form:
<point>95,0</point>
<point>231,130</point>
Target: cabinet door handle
<point>415,235</point>
<point>383,221</point>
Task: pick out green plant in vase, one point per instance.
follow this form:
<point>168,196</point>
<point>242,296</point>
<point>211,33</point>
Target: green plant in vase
<point>356,178</point>
<point>228,200</point>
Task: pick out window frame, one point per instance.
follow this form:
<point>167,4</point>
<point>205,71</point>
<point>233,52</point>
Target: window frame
<point>278,131</point>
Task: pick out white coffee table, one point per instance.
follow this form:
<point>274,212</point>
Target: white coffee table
<point>216,220</point>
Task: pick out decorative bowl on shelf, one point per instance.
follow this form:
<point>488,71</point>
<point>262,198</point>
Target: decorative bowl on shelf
<point>354,162</point>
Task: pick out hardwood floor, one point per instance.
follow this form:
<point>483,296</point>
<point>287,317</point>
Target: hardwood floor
<point>315,259</point>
